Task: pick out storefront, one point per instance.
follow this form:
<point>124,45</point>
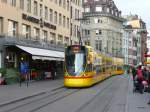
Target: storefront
<point>39,64</point>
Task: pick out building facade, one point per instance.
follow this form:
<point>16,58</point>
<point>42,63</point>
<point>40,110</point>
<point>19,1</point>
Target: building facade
<point>126,42</point>
<point>103,26</point>
<point>76,18</point>
<point>35,32</point>
<point>139,38</point>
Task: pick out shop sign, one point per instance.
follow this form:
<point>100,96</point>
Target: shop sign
<point>38,21</point>
<point>30,18</point>
<point>49,26</point>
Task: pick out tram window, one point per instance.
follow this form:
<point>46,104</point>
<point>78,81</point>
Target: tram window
<point>103,69</point>
<point>119,68</point>
<point>89,68</point>
<point>97,68</point>
<point>100,70</point>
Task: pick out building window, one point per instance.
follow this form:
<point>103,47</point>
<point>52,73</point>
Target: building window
<point>55,17</point>
<point>66,41</point>
<point>13,2</point>
<point>4,1</point>
<point>97,20</point>
<point>98,45</point>
<point>87,9</point>
<point>68,23</point>
<point>108,10</point>
<point>76,14</point>
<point>44,36</point>
<point>26,31</point>
<point>64,3</point>
<point>112,12</point>
<point>28,5</point>
<point>60,39</point>
<point>10,56</point>
<point>60,2</point>
<point>36,33</point>
<point>51,15</point>
<point>64,21</point>
<point>68,5</point>
<point>53,38</point>
<point>60,19</point>
<point>35,8</point>
<point>75,30</point>
<point>98,9</point>
<point>22,4</point>
<point>87,32</point>
<point>46,13</point>
<point>1,26</point>
<point>71,11</point>
<point>12,28</point>
<point>55,1</point>
<point>41,10</point>
<point>71,29</point>
<point>98,32</point>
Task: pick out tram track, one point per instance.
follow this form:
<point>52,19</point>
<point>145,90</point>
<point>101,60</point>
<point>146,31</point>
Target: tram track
<point>92,99</point>
<point>38,102</point>
<point>108,102</point>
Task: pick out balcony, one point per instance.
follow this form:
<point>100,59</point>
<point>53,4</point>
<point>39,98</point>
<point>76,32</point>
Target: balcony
<point>31,42</point>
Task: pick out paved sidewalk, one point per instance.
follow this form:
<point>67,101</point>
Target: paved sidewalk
<point>136,102</point>
<point>12,93</point>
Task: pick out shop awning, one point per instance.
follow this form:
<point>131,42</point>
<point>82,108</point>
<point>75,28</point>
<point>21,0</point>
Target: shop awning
<point>43,54</point>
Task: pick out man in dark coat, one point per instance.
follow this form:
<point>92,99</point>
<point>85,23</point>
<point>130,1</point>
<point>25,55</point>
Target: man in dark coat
<point>134,72</point>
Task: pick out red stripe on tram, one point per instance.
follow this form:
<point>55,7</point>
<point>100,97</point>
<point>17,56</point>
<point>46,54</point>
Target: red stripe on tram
<point>82,77</point>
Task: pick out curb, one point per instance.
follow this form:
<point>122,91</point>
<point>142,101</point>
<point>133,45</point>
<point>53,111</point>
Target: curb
<point>27,97</point>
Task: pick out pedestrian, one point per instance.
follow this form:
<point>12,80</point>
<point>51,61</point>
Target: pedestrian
<point>148,77</point>
<point>140,79</point>
<point>134,72</point>
<point>144,71</point>
<point>53,72</point>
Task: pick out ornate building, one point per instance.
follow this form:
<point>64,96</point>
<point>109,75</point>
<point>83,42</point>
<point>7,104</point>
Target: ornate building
<point>103,26</point>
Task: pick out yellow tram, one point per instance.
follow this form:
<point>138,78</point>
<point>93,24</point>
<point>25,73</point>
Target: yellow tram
<point>84,67</point>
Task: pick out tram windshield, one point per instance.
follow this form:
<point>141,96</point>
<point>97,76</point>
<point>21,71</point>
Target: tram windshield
<point>75,60</point>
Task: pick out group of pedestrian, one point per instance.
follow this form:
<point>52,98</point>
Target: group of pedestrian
<point>141,79</point>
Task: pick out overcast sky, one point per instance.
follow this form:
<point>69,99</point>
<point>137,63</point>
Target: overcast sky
<point>139,7</point>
